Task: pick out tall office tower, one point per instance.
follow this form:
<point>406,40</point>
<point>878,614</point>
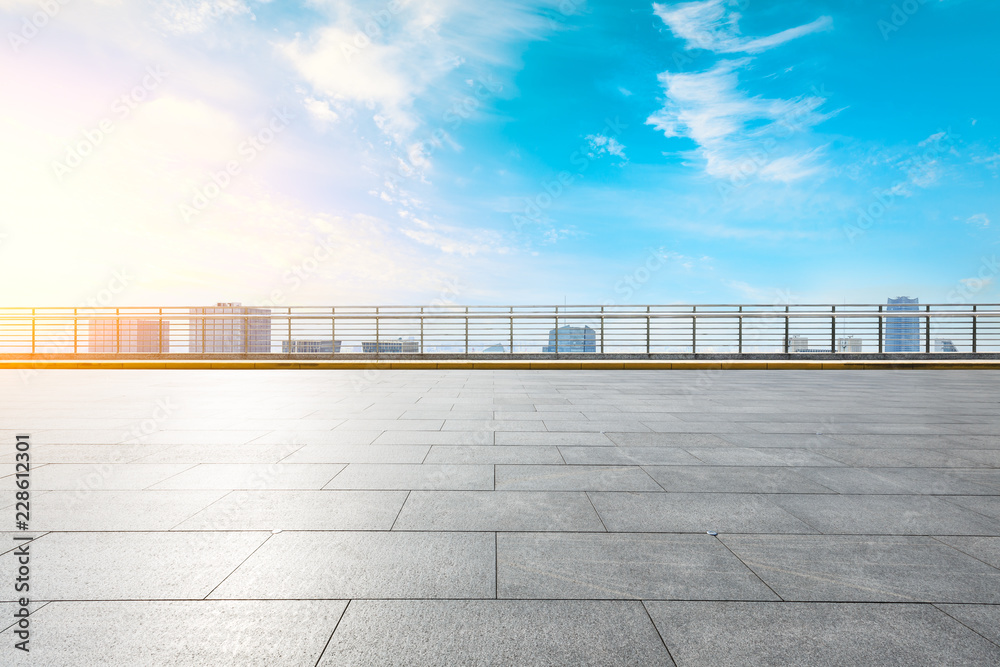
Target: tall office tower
<point>571,339</point>
<point>798,343</point>
<point>944,345</point>
<point>231,329</point>
<point>129,336</point>
<point>902,334</point>
<point>849,344</point>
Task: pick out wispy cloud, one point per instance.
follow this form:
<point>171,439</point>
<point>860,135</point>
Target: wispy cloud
<point>738,134</point>
<point>979,219</point>
<point>711,25</point>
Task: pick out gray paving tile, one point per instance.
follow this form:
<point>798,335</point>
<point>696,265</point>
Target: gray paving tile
<point>435,438</point>
<point>986,549</point>
<point>627,456</point>
<point>391,425</point>
<point>97,476</point>
<point>697,427</point>
<point>985,505</point>
<point>218,454</point>
<point>590,426</point>
<point>359,454</point>
<point>253,476</point>
<point>723,479</point>
<point>885,515</point>
<point>342,565</point>
<point>91,453</point>
<point>780,440</point>
<point>742,456</point>
<point>326,437</point>
<point>546,438</point>
<point>201,437</point>
<point>494,454</point>
<point>215,632</point>
<point>694,513</point>
<point>410,477</point>
<point>117,510</point>
<point>986,457</point>
<point>629,566</point>
<point>495,632</point>
<point>981,618</point>
<point>776,633</point>
<point>134,566</point>
<point>685,440</point>
<point>573,478</point>
<point>300,510</point>
<point>830,568</point>
<point>897,458</point>
<point>498,511</point>
<point>490,425</point>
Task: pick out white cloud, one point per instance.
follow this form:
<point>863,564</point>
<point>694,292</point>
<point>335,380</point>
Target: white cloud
<point>712,26</point>
<point>601,144</point>
<point>979,219</point>
<point>738,135</point>
<point>189,17</point>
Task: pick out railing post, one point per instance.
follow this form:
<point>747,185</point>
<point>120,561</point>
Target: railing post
<point>160,331</point>
<point>833,330</point>
<point>466,329</point>
<point>32,330</point>
<point>881,346</point>
<point>739,348</point>
<point>333,331</point>
<point>786,330</point>
<point>378,345</point>
<point>118,331</point>
<point>421,329</point>
<point>927,330</point>
<point>602,329</point>
<point>512,329</point>
<point>75,327</point>
<point>648,327</point>
<point>289,330</point>
<point>694,330</point>
<point>246,331</point>
<point>557,331</point>
<point>974,322</point>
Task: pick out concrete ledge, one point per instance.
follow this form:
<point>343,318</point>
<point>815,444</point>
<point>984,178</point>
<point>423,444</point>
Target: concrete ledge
<point>228,364</point>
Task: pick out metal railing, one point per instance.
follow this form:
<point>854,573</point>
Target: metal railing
<point>378,331</point>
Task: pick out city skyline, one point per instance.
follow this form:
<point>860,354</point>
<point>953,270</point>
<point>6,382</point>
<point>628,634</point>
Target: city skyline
<point>417,152</point>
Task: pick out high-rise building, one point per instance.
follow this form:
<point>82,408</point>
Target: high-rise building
<point>129,336</point>
<point>902,334</point>
<point>944,345</point>
<point>310,346</point>
<point>398,346</point>
<point>571,339</point>
<point>849,344</point>
<point>232,329</point>
<point>798,343</point>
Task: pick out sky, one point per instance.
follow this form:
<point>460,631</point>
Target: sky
<point>337,152</point>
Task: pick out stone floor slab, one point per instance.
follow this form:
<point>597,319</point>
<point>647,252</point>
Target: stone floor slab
<point>179,633</point>
<point>344,565</point>
<point>498,511</point>
<point>734,634</point>
<point>495,632</point>
<point>622,566</point>
<point>832,568</point>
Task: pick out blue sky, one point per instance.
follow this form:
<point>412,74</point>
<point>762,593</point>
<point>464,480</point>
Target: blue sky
<point>335,152</point>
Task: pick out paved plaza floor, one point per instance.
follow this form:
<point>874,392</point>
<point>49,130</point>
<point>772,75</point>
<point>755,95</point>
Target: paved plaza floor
<point>460,517</point>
